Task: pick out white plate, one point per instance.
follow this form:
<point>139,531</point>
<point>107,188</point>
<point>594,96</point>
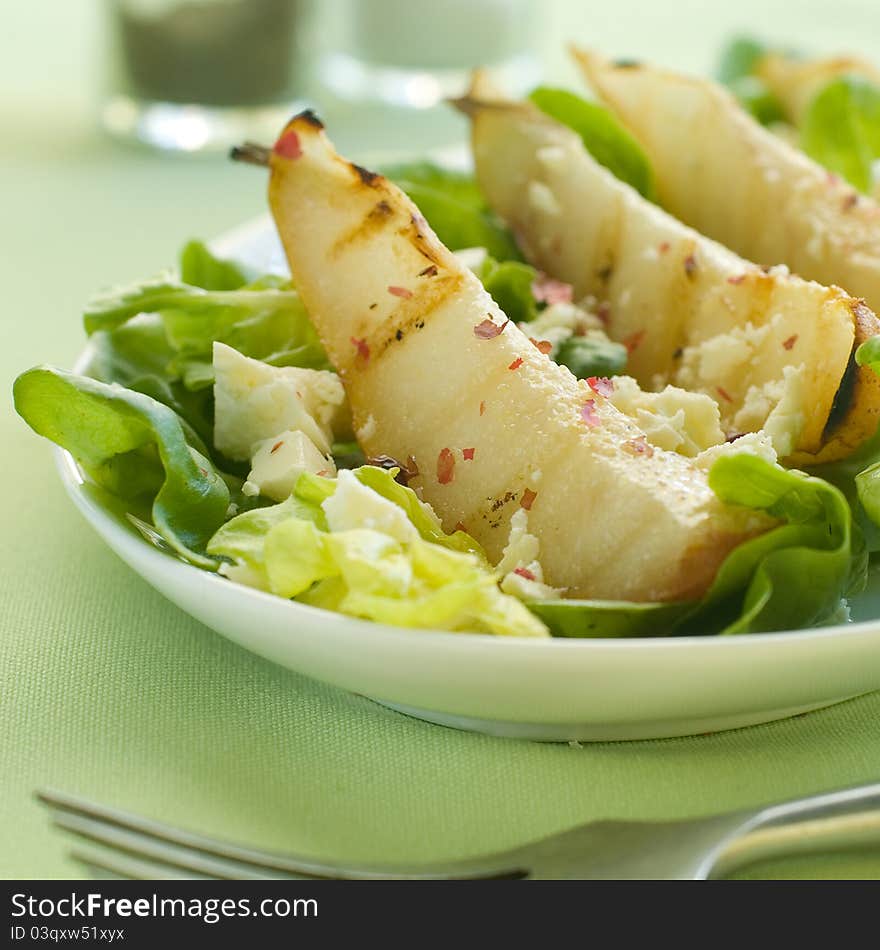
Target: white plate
<point>538,689</point>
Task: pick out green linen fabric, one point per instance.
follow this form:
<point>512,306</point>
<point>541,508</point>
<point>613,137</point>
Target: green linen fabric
<point>108,690</point>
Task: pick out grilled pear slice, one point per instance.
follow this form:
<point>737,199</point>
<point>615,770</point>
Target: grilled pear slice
<point>438,377</point>
<point>772,350</point>
<point>723,173</point>
<point>794,81</point>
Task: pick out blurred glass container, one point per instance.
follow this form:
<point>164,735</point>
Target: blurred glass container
<point>193,75</point>
<point>415,53</point>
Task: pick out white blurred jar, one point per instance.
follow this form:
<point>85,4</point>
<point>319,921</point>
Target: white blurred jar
<point>417,52</point>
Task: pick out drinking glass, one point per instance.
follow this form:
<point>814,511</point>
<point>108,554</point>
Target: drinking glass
<point>190,75</point>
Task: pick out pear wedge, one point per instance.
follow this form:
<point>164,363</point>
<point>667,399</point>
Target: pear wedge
<point>436,375</point>
<point>721,172</point>
<point>794,82</point>
<point>771,349</point>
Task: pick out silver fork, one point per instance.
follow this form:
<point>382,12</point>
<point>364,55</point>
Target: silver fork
<point>131,846</point>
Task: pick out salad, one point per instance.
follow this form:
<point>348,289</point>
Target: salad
<point>556,397</point>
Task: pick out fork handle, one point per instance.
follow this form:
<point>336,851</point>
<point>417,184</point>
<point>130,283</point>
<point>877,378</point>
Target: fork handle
<point>847,819</point>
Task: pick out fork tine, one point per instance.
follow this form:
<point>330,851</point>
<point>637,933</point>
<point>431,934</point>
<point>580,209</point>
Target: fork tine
<point>102,864</point>
<point>140,836</point>
<point>133,845</point>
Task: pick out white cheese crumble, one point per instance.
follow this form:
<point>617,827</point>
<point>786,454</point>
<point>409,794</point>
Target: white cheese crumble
<point>354,505</point>
<point>777,408</point>
<point>560,321</point>
<point>254,401</point>
<point>277,464</point>
<point>673,419</point>
<point>521,553</point>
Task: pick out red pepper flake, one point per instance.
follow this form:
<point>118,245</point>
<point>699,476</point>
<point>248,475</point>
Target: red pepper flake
<point>361,346</point>
<point>724,394</point>
<point>288,146</point>
<point>543,346</point>
<point>445,467</point>
<point>634,341</point>
<point>528,499</point>
<point>603,312</point>
<point>489,329</point>
<point>664,247</point>
<point>850,201</point>
<point>601,385</point>
<point>324,473</point>
<point>524,572</point>
<point>459,526</point>
<point>690,265</point>
<point>276,447</point>
<point>429,271</point>
<point>790,342</point>
<point>549,291</point>
<point>400,292</point>
<point>638,446</point>
<point>737,280</point>
<point>589,414</point>
<point>482,408</point>
<point>468,454</point>
<point>516,363</point>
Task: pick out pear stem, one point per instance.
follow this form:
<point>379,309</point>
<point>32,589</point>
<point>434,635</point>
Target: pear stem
<point>251,154</point>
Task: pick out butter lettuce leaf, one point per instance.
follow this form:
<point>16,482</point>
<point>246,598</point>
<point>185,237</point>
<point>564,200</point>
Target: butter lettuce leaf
<point>603,135</point>
<point>737,69</point>
<point>841,129</point>
<point>453,205</point>
<point>262,320</point>
<point>790,577</point>
<point>134,447</point>
<point>200,268</point>
<point>426,582</point>
<point>589,356</point>
<point>509,284</point>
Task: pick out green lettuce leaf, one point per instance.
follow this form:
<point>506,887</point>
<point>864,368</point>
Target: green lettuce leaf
<point>790,577</point>
<point>137,355</point>
<point>132,446</point>
<point>588,356</point>
<point>243,538</point>
<point>740,57</point>
<point>603,136</point>
<point>264,322</point>
<point>509,284</point>
<point>858,476</point>
<point>431,581</point>
<point>758,100</point>
<point>200,268</point>
<point>841,129</point>
<point>455,208</point>
<point>739,61</point>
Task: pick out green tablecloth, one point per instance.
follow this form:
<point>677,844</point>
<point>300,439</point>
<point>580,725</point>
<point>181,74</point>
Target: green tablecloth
<point>108,690</point>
